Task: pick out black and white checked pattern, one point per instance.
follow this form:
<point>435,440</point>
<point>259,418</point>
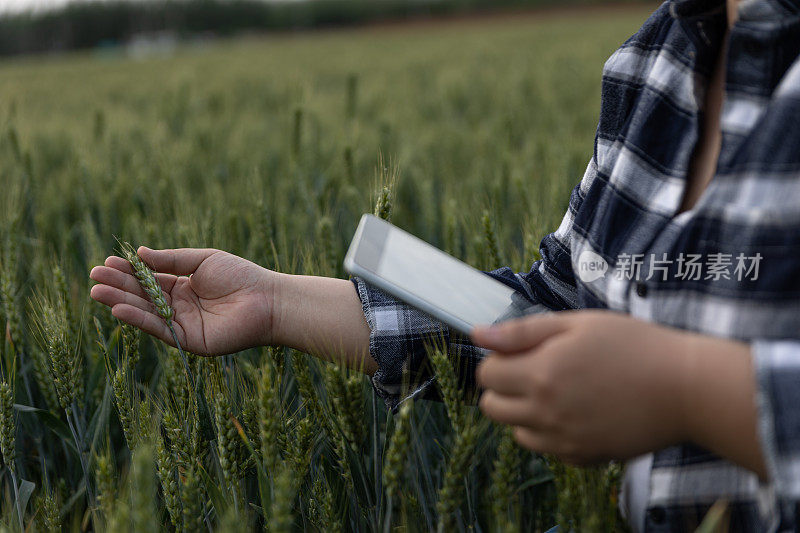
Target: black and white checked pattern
<point>628,202</point>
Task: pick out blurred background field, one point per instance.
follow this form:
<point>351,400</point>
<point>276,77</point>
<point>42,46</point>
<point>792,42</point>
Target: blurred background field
<point>28,26</point>
<point>271,148</point>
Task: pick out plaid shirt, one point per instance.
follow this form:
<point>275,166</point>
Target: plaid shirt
<point>728,267</point>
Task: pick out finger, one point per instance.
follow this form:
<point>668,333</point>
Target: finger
<point>119,263</point>
<point>533,440</point>
<point>521,334</point>
<point>179,261</point>
<point>128,282</point>
<point>548,443</point>
<point>512,410</point>
<point>112,296</point>
<point>117,278</point>
<point>502,374</point>
<point>144,320</point>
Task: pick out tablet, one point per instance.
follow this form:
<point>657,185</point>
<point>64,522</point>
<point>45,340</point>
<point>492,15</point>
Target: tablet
<point>427,278</point>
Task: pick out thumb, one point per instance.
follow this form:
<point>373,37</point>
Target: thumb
<point>517,335</point>
<point>178,261</point>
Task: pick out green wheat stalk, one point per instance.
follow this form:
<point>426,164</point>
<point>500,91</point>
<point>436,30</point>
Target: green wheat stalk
<point>504,480</point>
<point>451,493</point>
<point>166,469</point>
<point>105,480</point>
<point>8,436</point>
<point>147,279</point>
<point>491,241</point>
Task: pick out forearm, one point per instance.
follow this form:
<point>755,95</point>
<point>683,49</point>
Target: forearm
<point>323,317</point>
<point>720,392</point>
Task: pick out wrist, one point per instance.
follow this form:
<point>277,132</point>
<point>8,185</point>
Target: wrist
<point>669,384</point>
<point>698,376</point>
<point>274,290</point>
<point>686,355</point>
<point>321,316</point>
<point>719,400</point>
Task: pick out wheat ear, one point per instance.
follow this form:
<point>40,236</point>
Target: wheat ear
<point>147,279</point>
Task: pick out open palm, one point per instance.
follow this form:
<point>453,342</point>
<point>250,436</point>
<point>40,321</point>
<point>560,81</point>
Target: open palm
<point>222,303</point>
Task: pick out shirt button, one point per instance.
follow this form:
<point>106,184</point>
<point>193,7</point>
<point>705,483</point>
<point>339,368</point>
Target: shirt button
<point>641,289</point>
<point>657,515</point>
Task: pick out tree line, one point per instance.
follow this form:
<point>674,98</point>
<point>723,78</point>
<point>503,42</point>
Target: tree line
<point>88,24</point>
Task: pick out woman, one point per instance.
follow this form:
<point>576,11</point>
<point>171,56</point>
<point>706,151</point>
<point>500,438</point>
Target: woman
<point>682,355</point>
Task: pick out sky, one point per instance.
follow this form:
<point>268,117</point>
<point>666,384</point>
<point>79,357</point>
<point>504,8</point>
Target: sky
<point>24,5</point>
<point>14,6</point>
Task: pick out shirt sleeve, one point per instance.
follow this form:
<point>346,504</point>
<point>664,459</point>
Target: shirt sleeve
<point>777,370</point>
<point>401,335</point>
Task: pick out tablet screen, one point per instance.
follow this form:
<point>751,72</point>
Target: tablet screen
<point>431,277</point>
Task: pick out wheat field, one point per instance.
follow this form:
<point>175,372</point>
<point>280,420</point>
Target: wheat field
<point>271,148</point>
